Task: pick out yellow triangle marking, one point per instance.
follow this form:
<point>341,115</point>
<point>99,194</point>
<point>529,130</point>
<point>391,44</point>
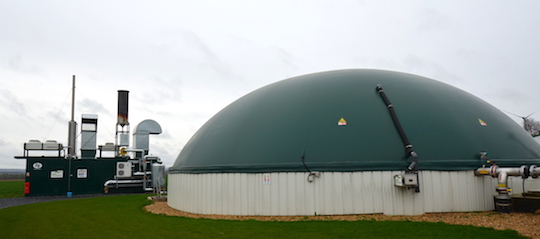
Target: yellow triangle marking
<point>342,121</point>
<point>482,122</point>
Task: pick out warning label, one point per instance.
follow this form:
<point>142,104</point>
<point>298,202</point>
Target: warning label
<point>342,121</point>
<point>482,122</point>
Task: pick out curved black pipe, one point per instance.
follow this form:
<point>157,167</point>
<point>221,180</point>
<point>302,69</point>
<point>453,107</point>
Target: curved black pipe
<point>304,160</point>
<point>311,175</point>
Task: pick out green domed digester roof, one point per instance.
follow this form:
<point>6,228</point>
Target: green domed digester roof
<point>338,122</point>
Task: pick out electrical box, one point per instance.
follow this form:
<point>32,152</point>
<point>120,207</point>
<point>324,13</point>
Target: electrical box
<point>398,181</point>
<point>406,180</point>
<point>123,169</point>
<point>410,180</point>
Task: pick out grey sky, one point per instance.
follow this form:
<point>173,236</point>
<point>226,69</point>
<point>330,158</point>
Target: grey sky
<point>183,61</point>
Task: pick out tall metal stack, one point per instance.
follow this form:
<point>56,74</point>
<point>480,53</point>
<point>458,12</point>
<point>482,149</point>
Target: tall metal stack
<point>122,125</point>
<point>72,128</point>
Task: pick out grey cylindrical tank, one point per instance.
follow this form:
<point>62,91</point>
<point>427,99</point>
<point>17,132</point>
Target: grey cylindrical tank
<point>158,175</point>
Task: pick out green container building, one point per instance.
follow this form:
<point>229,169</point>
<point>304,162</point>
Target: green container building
<point>58,175</point>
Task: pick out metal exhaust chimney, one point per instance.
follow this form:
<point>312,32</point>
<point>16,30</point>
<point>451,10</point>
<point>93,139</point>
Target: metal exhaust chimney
<point>122,125</point>
<point>72,127</point>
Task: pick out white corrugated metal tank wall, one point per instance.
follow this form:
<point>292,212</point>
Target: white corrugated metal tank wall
<point>333,193</point>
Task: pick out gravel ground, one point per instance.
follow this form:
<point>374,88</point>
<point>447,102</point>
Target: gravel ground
<point>526,224</point>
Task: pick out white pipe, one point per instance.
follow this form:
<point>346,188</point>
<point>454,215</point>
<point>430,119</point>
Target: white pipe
<point>142,171</point>
<point>502,179</point>
<point>125,184</point>
<point>121,183</point>
<point>502,175</point>
<point>136,150</point>
<point>503,200</point>
<point>483,171</point>
<point>142,166</point>
<point>140,163</point>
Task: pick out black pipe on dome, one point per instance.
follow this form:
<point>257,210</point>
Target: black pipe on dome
<point>408,146</point>
<point>312,175</point>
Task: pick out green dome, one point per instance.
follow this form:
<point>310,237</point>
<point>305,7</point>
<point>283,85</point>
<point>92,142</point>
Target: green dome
<point>339,122</point>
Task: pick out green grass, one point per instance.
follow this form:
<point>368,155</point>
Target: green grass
<point>124,217</point>
<point>9,189</point>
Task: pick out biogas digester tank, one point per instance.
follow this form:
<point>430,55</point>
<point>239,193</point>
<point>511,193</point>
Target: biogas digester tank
<point>267,130</point>
<point>337,122</point>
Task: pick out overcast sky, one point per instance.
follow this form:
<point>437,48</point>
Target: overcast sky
<point>183,61</point>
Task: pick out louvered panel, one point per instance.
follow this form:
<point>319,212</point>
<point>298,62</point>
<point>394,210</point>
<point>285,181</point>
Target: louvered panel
<point>427,188</point>
<point>333,193</point>
<point>305,195</point>
<point>379,190</point>
<point>359,202</point>
<point>290,196</point>
<point>347,193</point>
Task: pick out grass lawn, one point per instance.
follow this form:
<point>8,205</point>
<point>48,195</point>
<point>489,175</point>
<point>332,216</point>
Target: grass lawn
<point>124,217</point>
<point>9,189</point>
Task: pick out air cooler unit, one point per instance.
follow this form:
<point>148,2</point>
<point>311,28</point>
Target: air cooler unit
<point>123,169</point>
